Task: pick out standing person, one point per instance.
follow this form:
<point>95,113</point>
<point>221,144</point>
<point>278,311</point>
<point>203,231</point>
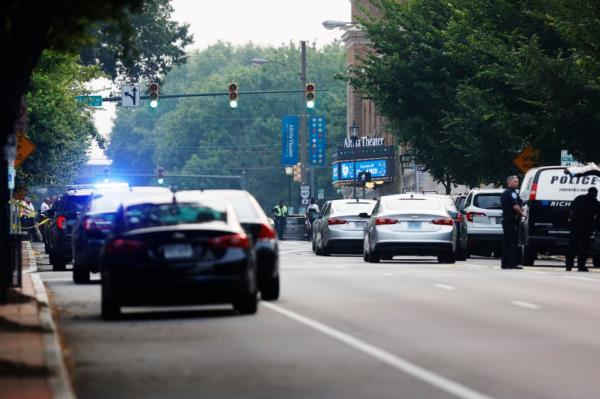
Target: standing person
<point>312,212</point>
<point>45,205</point>
<point>280,212</point>
<point>511,217</point>
<point>584,213</point>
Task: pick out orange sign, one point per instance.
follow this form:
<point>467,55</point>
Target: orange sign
<point>24,149</point>
<point>527,159</point>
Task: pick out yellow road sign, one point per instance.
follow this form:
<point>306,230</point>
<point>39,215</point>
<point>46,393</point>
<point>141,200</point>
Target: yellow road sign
<point>527,159</point>
<point>24,149</point>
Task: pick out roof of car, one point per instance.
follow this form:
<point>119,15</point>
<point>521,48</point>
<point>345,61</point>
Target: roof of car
<point>488,190</point>
<point>352,201</point>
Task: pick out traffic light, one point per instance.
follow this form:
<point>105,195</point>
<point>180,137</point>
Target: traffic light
<point>297,173</point>
<point>233,95</point>
<point>311,94</point>
<point>160,174</point>
<point>153,90</point>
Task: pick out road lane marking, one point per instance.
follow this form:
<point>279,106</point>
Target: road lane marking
<point>445,287</point>
<point>382,355</point>
<point>526,305</point>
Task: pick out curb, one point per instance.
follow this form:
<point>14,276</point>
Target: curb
<point>59,382</point>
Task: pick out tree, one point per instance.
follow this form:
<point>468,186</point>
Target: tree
<point>152,44</point>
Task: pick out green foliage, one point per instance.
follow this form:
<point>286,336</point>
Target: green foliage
<point>60,128</point>
<point>147,48</point>
<point>204,136</point>
<point>470,83</point>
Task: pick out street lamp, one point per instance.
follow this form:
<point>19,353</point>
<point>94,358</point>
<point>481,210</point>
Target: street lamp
<point>354,137</point>
<point>289,170</point>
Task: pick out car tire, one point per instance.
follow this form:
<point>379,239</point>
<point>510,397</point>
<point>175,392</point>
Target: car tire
<point>81,274</point>
<point>447,258</point>
<point>314,247</point>
<point>365,255</point>
<point>269,291</point>
<point>374,257</point>
<point>109,306</point>
<point>326,250</point>
<point>460,253</point>
<point>46,248</point>
<point>246,303</point>
<point>58,264</point>
<point>528,256</point>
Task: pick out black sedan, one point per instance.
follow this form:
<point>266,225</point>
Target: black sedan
<point>177,249</point>
<point>91,230</point>
<point>264,238</point>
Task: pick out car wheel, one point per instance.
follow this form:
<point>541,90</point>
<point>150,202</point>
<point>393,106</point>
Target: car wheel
<point>314,247</point>
<point>269,291</point>
<point>460,253</point>
<point>57,263</point>
<point>365,255</point>
<point>81,274</point>
<point>246,303</point>
<point>374,257</point>
<point>528,256</point>
<point>110,308</point>
<point>46,248</point>
<point>326,250</point>
<point>447,258</point>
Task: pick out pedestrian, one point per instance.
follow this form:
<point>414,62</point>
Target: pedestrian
<point>45,205</point>
<point>280,212</point>
<point>512,212</point>
<point>27,217</point>
<point>584,214</point>
<point>312,213</point>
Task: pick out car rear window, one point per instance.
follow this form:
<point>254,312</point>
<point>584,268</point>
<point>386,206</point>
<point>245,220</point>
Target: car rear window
<point>488,201</point>
<point>243,207</point>
<point>76,203</point>
<point>413,204</point>
<point>153,215</point>
<point>352,207</point>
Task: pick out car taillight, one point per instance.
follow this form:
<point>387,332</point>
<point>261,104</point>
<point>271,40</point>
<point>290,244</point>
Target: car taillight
<point>266,232</point>
<point>533,192</point>
<point>470,215</point>
<point>61,222</point>
<point>336,221</point>
<point>381,221</point>
<point>458,217</point>
<point>95,224</point>
<point>121,245</point>
<point>230,241</point>
<point>443,221</point>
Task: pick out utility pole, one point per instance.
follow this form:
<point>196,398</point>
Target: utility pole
<point>302,136</point>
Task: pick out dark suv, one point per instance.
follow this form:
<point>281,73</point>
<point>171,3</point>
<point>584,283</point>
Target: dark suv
<point>63,215</point>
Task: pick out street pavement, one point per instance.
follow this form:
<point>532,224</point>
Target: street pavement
<point>409,328</point>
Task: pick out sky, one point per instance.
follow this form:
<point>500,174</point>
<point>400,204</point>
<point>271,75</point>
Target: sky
<point>263,22</point>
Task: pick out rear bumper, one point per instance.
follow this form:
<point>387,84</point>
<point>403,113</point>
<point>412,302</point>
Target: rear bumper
<point>350,246</point>
<point>485,240</point>
<point>425,248</point>
<point>558,245</point>
<point>88,255</point>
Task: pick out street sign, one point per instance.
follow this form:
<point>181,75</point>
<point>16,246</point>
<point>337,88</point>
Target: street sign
<point>91,101</point>
<point>131,96</point>
<point>11,176</point>
<point>289,140</point>
<point>321,194</point>
<point>305,192</point>
<point>527,159</point>
<point>305,201</point>
<point>24,149</point>
<point>317,133</point>
<point>566,159</point>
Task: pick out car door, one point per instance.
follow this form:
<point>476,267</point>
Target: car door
<point>370,227</point>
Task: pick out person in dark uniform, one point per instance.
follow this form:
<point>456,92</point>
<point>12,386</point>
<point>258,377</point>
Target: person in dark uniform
<point>584,213</point>
<point>511,217</point>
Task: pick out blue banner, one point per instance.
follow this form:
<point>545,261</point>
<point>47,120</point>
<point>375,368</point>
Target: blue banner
<point>289,140</point>
<point>317,132</point>
<point>377,167</point>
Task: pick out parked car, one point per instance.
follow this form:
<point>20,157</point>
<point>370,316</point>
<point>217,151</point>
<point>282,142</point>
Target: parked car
<point>459,201</point>
<point>547,193</point>
<point>264,238</point>
<point>315,227</point>
<point>63,216</point>
<point>458,222</point>
<point>341,226</point>
<point>295,228</point>
<point>90,232</point>
<point>482,225</point>
<point>409,224</point>
<point>177,249</point>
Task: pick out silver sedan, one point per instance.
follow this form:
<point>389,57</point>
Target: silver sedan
<point>341,225</point>
<point>409,224</point>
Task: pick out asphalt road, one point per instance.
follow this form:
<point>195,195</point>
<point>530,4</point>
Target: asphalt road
<point>408,328</point>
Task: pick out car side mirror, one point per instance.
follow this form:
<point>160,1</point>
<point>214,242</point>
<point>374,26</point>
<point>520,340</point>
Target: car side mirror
<point>364,215</point>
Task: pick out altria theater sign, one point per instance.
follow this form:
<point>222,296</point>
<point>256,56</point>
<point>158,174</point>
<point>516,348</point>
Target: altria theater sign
<point>363,142</point>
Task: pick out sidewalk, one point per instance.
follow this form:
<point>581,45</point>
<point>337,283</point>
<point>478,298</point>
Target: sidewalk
<point>31,361</point>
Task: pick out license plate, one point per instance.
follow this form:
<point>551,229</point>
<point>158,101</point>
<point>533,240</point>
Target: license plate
<point>357,225</point>
<point>177,251</point>
<point>414,225</point>
<point>481,219</point>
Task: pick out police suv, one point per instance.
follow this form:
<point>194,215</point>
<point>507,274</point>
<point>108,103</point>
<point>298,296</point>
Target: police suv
<point>547,193</point>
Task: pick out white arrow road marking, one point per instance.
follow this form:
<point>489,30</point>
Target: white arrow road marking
<point>420,373</point>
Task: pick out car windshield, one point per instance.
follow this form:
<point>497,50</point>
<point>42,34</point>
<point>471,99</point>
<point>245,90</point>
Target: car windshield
<point>153,215</point>
<point>76,203</point>
<point>488,201</point>
<point>413,204</point>
<point>352,207</point>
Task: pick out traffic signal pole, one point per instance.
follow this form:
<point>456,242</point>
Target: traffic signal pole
<point>303,137</point>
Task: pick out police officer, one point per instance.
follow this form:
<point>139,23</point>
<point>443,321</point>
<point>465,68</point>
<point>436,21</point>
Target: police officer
<point>280,212</point>
<point>584,213</point>
<point>511,217</point>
